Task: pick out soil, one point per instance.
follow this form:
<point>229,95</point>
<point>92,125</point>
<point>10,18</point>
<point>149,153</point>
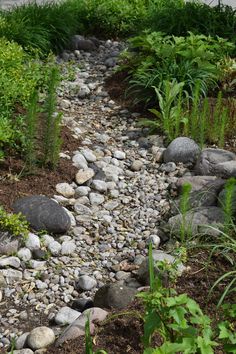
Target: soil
<point>16,183</point>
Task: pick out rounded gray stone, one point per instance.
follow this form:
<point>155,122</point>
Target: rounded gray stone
<point>43,214</point>
<point>114,296</point>
<point>210,159</point>
<point>183,150</point>
<point>40,337</point>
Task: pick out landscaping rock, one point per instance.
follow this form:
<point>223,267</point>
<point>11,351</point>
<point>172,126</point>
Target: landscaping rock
<point>8,244</point>
<point>11,275</point>
<point>89,155</point>
<point>55,248</point>
<point>80,43</point>
<point>136,165</point>
<point>13,262</point>
<point>66,316</point>
<point>65,189</point>
<point>114,296</point>
<point>84,175</point>
<point>32,242</point>
<point>80,161</point>
<point>21,341</point>
<point>24,254</point>
<point>67,248</point>
<point>226,169</point>
<point>197,222</point>
<point>22,351</point>
<point>204,190</point>
<point>119,155</point>
<point>43,213</point>
<point>86,283</point>
<point>183,150</point>
<point>99,185</point>
<point>96,198</point>
<point>209,159</point>
<point>82,304</point>
<point>40,337</point>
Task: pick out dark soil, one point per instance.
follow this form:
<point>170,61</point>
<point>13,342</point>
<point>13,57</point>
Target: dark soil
<point>16,183</point>
<point>122,334</point>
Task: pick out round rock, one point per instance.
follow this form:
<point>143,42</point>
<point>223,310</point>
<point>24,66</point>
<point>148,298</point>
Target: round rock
<point>114,296</point>
<point>183,150</point>
<point>43,213</point>
<point>40,337</point>
<point>86,283</point>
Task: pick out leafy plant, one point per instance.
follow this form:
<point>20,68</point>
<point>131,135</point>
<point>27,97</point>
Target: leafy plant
<point>31,126</point>
<point>176,318</point>
<point>14,223</point>
<point>154,57</point>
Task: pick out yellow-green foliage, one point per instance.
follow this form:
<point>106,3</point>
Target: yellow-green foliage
<point>19,75</point>
<point>14,223</point>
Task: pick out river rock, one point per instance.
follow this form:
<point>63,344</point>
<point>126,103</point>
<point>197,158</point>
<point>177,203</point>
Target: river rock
<point>8,244</point>
<point>84,175</point>
<point>209,159</point>
<point>66,316</point>
<point>11,275</point>
<point>114,296</point>
<point>43,214</point>
<point>13,262</point>
<point>65,189</point>
<point>183,150</point>
<point>86,283</point>
<point>32,242</point>
<point>40,337</point>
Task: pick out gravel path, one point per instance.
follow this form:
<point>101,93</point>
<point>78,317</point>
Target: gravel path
<point>114,214</point>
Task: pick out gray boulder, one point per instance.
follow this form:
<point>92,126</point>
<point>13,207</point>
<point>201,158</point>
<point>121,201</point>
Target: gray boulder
<point>43,214</point>
<point>114,296</point>
<point>204,190</point>
<point>226,169</point>
<point>197,222</point>
<point>80,43</point>
<point>209,160</point>
<point>183,150</point>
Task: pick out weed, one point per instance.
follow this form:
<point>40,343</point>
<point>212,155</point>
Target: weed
<point>31,126</point>
<point>88,339</point>
<point>14,223</point>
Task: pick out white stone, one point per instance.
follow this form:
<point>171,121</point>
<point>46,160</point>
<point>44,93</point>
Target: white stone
<point>40,337</point>
<point>82,191</point>
<point>89,155</point>
<point>96,198</point>
<point>67,248</point>
<point>66,316</point>
<point>37,264</point>
<point>41,285</point>
<point>79,161</point>
<point>136,165</point>
<point>46,239</point>
<point>55,248</point>
<point>119,155</point>
<point>86,283</point>
<point>10,262</point>
<point>84,175</point>
<point>99,185</point>
<point>65,189</point>
<point>32,242</point>
<point>11,275</point>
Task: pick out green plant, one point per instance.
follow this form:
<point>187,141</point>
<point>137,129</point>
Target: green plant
<point>52,141</point>
<point>176,318</point>
<point>31,132</point>
<point>154,58</point>
<point>89,342</point>
<point>14,223</point>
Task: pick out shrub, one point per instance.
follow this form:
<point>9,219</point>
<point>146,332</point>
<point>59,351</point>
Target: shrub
<point>154,57</point>
<point>13,223</point>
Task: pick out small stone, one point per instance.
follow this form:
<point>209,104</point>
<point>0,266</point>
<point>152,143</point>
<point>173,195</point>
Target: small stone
<point>65,104</point>
<point>39,254</point>
<point>82,304</point>
<point>65,316</point>
<point>82,191</point>
<point>55,248</point>
<point>136,165</point>
<point>10,262</point>
<point>24,254</point>
<point>89,155</point>
<point>99,185</point>
<point>32,242</point>
<point>111,205</point>
<point>84,175</point>
<point>65,189</point>
<point>41,285</point>
<point>23,351</point>
<point>80,161</point>
<point>40,337</point>
<point>96,198</point>
<point>11,275</point>
<point>168,167</point>
<point>86,283</point>
<point>21,341</point>
<point>67,248</point>
<point>119,155</point>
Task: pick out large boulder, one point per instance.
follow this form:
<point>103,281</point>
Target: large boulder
<point>116,296</point>
<point>80,43</point>
<point>204,190</point>
<point>43,214</point>
<point>197,222</point>
<point>210,162</point>
<point>183,150</point>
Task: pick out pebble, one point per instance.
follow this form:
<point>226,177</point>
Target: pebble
<point>68,247</point>
<point>86,283</point>
<point>84,175</point>
<point>120,155</point>
<point>136,165</point>
<point>32,242</point>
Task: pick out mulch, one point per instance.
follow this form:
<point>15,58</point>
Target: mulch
<point>16,183</point>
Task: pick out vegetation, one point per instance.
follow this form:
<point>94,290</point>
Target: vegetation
<point>13,223</point>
